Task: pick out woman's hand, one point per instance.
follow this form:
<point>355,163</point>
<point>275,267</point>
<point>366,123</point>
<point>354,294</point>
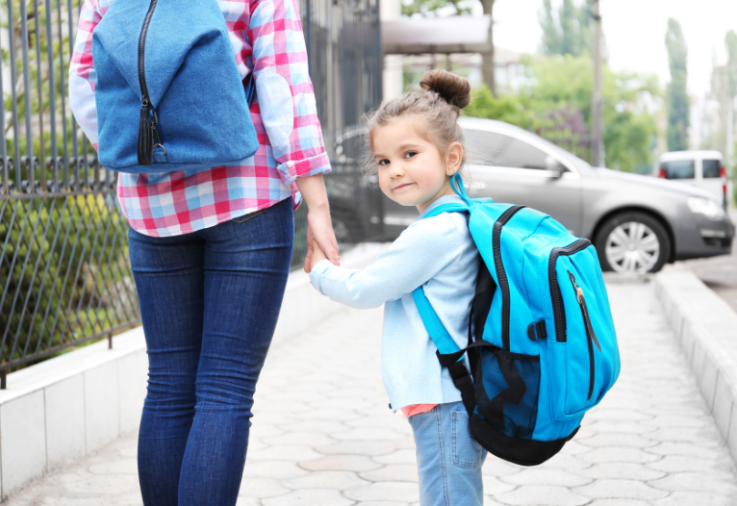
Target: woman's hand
<point>319,226</point>
<point>320,233</point>
<point>317,255</point>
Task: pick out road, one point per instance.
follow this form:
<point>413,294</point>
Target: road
<point>718,273</point>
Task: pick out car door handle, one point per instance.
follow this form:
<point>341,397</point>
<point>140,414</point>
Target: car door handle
<point>477,185</point>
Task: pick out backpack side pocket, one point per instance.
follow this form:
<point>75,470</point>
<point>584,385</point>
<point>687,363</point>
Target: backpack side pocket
<point>507,387</point>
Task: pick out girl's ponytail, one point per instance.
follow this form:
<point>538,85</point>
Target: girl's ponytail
<point>454,89</point>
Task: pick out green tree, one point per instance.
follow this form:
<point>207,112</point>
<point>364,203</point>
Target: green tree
<point>567,31</point>
<point>430,8</point>
<point>559,96</point>
<point>730,40</point>
<point>677,101</point>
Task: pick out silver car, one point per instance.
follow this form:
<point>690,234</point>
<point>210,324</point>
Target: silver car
<point>637,223</point>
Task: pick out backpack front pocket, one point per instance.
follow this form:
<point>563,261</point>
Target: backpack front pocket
<point>583,353</point>
<point>507,388</point>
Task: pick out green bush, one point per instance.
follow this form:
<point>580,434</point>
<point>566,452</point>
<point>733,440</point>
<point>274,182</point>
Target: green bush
<point>63,261</point>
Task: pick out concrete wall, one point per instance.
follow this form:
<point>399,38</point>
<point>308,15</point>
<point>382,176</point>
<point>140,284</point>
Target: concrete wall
<point>706,328</point>
<point>58,411</point>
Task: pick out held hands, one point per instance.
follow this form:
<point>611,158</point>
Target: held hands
<point>321,242</point>
<point>320,235</point>
<point>317,254</point>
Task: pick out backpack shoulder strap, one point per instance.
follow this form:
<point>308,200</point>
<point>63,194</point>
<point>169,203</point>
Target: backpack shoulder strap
<point>433,325</point>
<point>449,354</point>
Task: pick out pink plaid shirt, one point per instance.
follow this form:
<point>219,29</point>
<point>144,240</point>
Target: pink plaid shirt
<point>267,40</point>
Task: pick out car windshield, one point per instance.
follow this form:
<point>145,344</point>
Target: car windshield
<point>711,168</point>
<point>678,169</point>
<point>499,149</point>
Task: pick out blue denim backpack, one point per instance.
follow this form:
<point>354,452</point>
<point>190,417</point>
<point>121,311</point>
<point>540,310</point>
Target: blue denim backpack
<point>169,95</point>
<point>542,344</point>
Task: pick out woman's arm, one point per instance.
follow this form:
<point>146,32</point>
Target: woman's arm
<point>288,109</point>
<point>82,77</point>
<point>319,226</point>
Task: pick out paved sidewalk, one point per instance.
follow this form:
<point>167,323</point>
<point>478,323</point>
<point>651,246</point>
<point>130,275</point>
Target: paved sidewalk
<point>323,435</point>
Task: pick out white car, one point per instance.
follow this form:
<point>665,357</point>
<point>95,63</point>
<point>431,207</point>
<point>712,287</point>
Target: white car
<point>703,169</point>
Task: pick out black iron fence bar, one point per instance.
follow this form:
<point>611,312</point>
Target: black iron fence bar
<point>53,159</point>
<point>40,160</point>
<point>4,178</point>
<point>63,96</point>
<point>27,94</point>
<point>11,32</point>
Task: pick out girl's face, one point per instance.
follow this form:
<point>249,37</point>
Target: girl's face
<point>412,171</point>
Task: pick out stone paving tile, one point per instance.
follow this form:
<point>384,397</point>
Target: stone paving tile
<point>355,463</point>
<point>392,472</point>
<point>533,495</point>
<point>322,434</point>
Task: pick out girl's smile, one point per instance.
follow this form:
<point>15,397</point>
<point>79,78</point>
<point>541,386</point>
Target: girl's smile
<point>402,186</point>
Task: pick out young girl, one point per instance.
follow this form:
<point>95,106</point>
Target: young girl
<point>417,146</point>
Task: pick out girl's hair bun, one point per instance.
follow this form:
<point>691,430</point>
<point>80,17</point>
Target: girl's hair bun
<point>455,90</point>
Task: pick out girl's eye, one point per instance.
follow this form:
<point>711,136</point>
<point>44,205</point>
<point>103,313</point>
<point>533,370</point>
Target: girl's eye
<point>383,162</point>
<point>410,154</point>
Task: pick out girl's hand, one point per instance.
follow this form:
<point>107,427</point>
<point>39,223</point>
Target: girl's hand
<point>317,254</point>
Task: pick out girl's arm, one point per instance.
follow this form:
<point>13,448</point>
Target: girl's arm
<point>415,257</point>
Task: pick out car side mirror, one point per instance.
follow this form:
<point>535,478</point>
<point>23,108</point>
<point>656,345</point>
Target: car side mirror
<point>554,166</point>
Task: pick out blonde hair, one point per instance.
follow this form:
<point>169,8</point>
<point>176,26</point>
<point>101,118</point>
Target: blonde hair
<point>438,109</point>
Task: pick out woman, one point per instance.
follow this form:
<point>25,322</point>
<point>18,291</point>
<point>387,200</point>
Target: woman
<point>210,254</point>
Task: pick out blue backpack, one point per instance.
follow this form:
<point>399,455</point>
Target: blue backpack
<point>169,95</point>
<point>542,345</point>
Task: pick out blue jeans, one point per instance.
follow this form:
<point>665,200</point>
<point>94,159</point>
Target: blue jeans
<point>209,304</point>
<point>449,460</point>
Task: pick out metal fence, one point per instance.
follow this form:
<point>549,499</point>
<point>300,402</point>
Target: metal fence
<point>64,273</point>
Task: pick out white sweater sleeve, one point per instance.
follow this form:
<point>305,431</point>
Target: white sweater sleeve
<point>82,77</point>
<point>416,256</point>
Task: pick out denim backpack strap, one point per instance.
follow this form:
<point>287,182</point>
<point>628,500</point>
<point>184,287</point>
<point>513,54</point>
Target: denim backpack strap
<point>449,354</point>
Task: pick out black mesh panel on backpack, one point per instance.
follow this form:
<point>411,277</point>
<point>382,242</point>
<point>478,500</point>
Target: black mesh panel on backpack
<point>507,386</point>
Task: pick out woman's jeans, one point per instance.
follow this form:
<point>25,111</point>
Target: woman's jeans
<point>209,304</point>
<point>449,460</point>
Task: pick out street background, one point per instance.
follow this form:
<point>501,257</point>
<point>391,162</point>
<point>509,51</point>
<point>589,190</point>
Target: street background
<point>617,83</point>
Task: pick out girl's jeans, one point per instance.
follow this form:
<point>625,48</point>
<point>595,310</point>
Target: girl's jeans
<point>449,460</point>
<point>209,304</point>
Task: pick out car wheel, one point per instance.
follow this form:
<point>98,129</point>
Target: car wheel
<point>632,242</point>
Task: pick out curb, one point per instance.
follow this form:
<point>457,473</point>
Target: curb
<point>706,328</point>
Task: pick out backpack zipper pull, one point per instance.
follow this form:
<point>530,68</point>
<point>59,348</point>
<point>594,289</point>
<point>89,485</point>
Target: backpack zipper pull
<point>145,135</point>
<point>584,310</point>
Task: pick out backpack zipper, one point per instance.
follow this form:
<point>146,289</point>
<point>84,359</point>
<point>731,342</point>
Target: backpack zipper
<point>500,274</point>
<point>590,335</point>
<point>555,295</point>
<point>146,127</point>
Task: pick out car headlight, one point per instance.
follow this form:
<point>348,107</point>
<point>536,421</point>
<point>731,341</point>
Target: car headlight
<point>709,208</point>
